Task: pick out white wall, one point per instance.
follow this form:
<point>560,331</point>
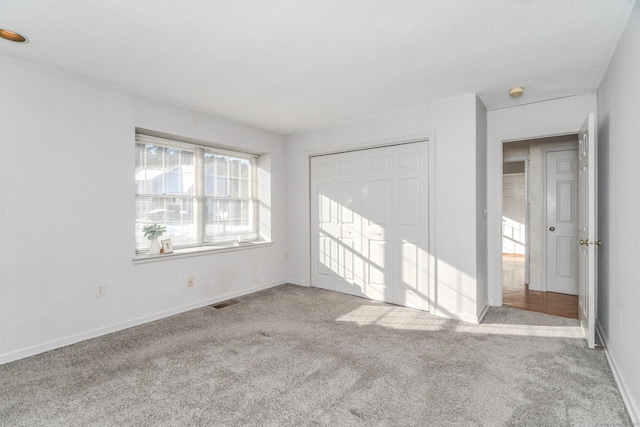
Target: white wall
<point>550,118</point>
<point>618,155</point>
<point>453,122</point>
<point>67,212</point>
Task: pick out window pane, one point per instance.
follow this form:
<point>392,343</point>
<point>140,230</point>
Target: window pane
<point>234,187</point>
<point>221,185</point>
<point>222,166</point>
<point>234,209</point>
<point>143,206</point>
<point>172,157</point>
<point>187,173</point>
<point>175,213</point>
<point>209,174</point>
<point>234,168</point>
<point>154,156</point>
<point>140,162</point>
<point>164,170</point>
<point>228,220</point>
<point>188,158</point>
<point>148,168</point>
<point>244,169</point>
<point>179,174</point>
<point>245,209</point>
<point>244,188</point>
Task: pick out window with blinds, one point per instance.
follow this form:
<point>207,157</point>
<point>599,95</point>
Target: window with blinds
<point>202,196</point>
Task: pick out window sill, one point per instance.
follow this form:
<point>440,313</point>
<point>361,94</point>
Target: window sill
<point>199,251</point>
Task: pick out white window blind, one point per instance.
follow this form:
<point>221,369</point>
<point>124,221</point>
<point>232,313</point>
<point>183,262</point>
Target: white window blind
<point>202,195</point>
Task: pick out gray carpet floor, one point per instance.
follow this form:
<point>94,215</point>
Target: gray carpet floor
<point>297,356</point>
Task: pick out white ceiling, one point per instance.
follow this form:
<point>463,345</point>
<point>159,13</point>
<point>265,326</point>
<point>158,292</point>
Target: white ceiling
<point>295,65</point>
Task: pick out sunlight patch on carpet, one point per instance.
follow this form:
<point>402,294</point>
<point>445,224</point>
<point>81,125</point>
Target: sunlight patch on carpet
<point>403,319</point>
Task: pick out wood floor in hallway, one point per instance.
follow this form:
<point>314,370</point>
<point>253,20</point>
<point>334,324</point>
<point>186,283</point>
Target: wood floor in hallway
<point>516,294</point>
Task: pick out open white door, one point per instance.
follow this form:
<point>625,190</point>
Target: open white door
<point>587,229</point>
<point>562,221</point>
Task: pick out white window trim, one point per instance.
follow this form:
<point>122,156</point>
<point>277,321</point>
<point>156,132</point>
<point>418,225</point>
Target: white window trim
<point>200,250</point>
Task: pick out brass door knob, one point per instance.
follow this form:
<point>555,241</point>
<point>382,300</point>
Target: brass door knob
<point>584,242</point>
<point>552,229</point>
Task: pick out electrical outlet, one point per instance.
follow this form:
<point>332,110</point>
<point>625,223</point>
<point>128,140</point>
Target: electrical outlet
<point>189,282</point>
<point>620,319</point>
<point>100,291</point>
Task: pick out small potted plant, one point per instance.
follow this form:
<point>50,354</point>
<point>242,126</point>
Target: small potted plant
<point>152,232</point>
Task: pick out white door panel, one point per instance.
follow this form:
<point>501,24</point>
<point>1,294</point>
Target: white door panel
<point>409,200</point>
<point>376,270</point>
<point>376,202</point>
<point>376,180</point>
<point>587,212</point>
<point>324,223</point>
<point>562,221</point>
<point>348,274</point>
<point>411,218</point>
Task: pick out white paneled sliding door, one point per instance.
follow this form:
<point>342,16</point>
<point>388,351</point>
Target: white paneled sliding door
<point>369,223</point>
<point>324,220</point>
<point>410,206</point>
<point>376,223</point>
<point>335,182</point>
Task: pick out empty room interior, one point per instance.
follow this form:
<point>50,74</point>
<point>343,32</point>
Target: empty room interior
<point>319,213</point>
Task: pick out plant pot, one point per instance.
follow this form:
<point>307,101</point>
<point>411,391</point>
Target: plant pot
<point>154,246</point>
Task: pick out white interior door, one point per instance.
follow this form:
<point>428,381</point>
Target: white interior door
<point>335,184</point>
<point>562,222</point>
<point>348,276</point>
<point>376,222</point>
<point>324,222</point>
<point>587,229</point>
<point>514,210</point>
<point>369,223</point>
<point>410,218</point>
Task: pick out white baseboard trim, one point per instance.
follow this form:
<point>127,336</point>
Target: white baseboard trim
<point>483,313</point>
<point>632,410</point>
<point>298,282</point>
<point>73,339</point>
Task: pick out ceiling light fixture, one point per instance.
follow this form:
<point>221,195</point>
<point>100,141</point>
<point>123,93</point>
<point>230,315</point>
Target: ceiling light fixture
<point>12,35</point>
<point>516,91</point>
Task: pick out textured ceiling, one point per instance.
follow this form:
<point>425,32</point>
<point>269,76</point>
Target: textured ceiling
<point>294,65</point>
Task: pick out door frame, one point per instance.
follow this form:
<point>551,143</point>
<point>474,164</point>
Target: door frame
<point>527,220</point>
<point>429,139</point>
<point>494,243</point>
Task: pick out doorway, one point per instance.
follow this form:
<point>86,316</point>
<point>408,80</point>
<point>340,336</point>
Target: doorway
<point>532,207</point>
